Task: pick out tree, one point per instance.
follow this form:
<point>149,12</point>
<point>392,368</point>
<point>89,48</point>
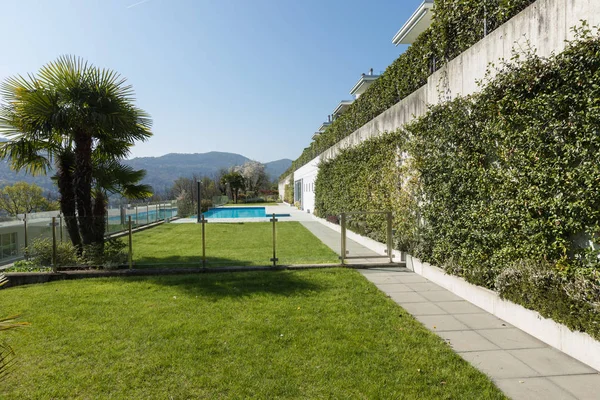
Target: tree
<point>23,198</point>
<point>79,116</point>
<point>235,181</point>
<point>254,175</point>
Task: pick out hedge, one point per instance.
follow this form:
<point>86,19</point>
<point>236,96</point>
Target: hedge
<point>485,184</point>
<point>457,25</point>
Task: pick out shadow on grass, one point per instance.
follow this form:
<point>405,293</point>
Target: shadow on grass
<point>195,262</point>
<point>238,284</point>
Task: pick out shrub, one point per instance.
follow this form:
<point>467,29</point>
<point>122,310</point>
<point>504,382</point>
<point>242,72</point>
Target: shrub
<point>205,204</point>
<point>572,299</point>
<point>255,200</point>
<point>40,251</point>
<point>481,183</point>
<point>113,254</point>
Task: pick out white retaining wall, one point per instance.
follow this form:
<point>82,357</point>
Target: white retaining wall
<point>545,25</point>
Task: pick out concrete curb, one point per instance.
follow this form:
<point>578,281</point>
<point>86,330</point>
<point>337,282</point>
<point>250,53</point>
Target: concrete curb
<point>578,345</point>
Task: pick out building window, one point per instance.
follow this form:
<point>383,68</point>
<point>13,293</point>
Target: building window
<point>8,244</point>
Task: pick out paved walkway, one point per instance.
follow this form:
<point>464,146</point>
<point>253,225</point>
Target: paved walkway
<point>520,365</point>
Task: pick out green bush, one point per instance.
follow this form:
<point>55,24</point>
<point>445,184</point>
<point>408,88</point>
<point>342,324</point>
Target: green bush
<point>205,204</point>
<point>40,252</point>
<point>481,183</point>
<point>572,298</point>
<point>109,256</point>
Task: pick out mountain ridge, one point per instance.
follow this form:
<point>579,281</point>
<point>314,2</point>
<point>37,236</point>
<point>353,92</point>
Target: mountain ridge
<point>162,171</point>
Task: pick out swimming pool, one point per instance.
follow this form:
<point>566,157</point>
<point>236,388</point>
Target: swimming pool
<point>239,212</point>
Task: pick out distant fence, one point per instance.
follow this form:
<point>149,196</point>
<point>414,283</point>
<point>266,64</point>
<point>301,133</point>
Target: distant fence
<point>16,233</point>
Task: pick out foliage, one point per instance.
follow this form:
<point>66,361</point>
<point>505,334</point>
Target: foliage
<point>457,25</point>
<point>571,298</point>
<point>494,180</point>
<point>83,119</point>
<point>113,254</point>
<point>27,266</point>
<point>289,190</point>
<point>235,181</point>
<point>205,204</point>
<point>370,177</point>
<point>24,198</point>
<point>40,252</point>
<point>255,177</point>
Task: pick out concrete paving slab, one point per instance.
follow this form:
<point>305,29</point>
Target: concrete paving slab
<point>482,321</point>
<point>409,279</point>
<point>394,287</point>
<point>511,338</point>
<point>424,287</point>
<point>548,362</point>
<point>583,387</point>
<point>381,278</point>
<point>423,309</point>
<point>499,364</point>
<point>462,341</point>
<point>459,307</point>
<point>441,295</point>
<point>523,367</point>
<point>407,297</point>
<point>532,389</point>
<point>441,323</point>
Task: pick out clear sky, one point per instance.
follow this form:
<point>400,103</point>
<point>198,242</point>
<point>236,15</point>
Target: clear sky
<point>254,77</point>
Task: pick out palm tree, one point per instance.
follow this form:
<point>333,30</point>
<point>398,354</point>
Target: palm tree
<point>70,111</point>
<point>112,177</point>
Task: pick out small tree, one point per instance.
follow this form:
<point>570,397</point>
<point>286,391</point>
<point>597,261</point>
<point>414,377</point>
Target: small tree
<point>254,175</point>
<point>23,198</point>
<point>235,180</point>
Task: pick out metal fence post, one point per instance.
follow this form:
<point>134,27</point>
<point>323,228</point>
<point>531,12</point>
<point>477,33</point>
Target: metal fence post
<point>203,222</point>
<point>107,226</point>
<point>343,237</point>
<point>389,236</point>
<point>274,259</point>
<point>54,244</point>
<point>26,237</point>
<point>136,216</point>
<point>130,245</point>
<point>147,214</point>
<point>60,227</point>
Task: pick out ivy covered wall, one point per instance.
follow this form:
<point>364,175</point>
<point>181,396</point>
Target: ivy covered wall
<point>457,25</point>
<point>500,188</point>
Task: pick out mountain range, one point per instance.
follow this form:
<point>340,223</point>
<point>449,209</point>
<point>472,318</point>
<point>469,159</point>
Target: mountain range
<point>161,171</point>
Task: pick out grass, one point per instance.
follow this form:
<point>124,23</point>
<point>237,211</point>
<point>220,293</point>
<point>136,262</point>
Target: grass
<point>301,334</point>
<point>243,244</point>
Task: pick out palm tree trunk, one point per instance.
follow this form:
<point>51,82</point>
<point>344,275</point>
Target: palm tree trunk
<point>67,198</point>
<point>99,220</point>
<point>83,185</point>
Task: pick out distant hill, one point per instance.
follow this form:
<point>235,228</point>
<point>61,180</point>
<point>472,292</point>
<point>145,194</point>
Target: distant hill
<point>164,170</point>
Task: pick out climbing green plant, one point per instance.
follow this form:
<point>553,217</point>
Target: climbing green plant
<point>456,26</point>
<point>499,187</point>
<point>374,176</point>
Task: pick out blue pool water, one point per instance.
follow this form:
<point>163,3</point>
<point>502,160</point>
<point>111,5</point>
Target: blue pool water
<point>239,212</point>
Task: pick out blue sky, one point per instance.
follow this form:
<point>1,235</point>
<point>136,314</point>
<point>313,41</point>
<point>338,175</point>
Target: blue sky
<point>254,77</point>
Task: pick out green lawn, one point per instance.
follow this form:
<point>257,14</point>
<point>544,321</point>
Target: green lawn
<point>244,244</point>
<point>265,335</point>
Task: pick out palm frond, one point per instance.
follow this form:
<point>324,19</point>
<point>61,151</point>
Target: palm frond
<point>7,359</point>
